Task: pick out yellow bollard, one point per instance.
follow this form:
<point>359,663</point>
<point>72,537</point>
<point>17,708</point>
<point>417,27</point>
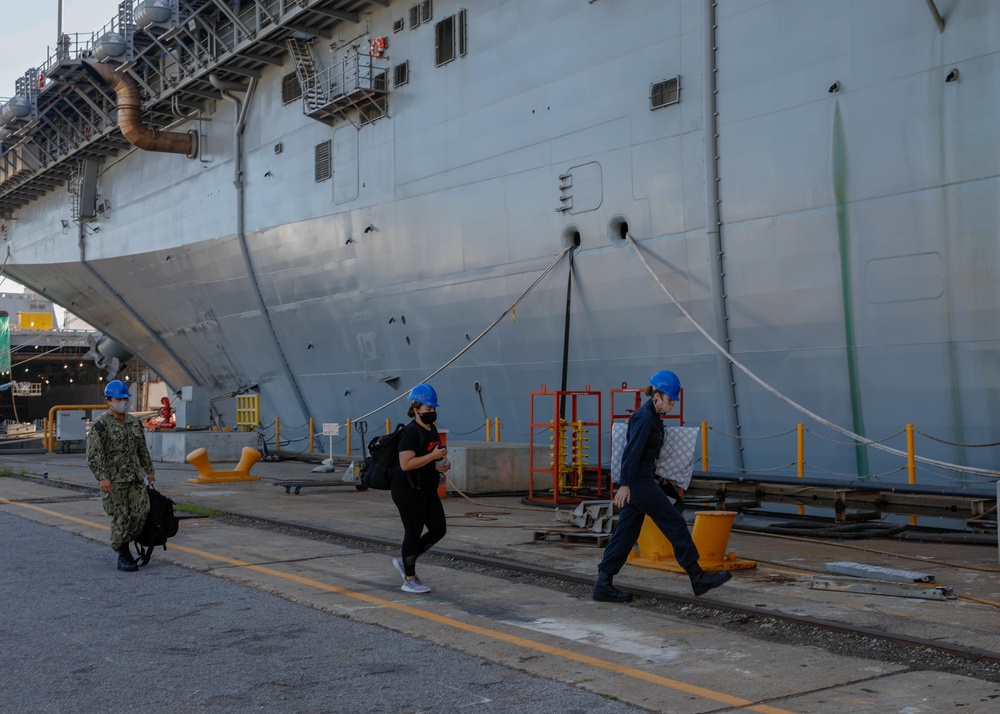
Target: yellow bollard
<point>496,430</point>
<point>206,474</point>
<point>710,535</point>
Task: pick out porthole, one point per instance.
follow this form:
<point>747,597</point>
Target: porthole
<point>618,230</point>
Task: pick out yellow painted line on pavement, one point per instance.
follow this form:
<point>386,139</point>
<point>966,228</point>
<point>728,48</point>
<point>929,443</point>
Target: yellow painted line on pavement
<point>457,624</point>
<point>32,507</point>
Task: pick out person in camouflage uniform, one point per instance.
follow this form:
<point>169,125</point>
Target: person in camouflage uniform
<point>119,459</point>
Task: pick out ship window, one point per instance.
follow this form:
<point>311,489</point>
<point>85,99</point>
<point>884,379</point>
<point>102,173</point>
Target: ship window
<point>444,41</point>
<point>665,93</point>
<point>401,74</point>
<point>414,16</point>
<point>426,11</point>
<point>399,25</point>
<point>324,161</point>
<point>290,88</point>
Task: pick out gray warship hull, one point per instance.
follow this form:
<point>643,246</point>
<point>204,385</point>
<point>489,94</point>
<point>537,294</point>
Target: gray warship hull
<point>815,182</point>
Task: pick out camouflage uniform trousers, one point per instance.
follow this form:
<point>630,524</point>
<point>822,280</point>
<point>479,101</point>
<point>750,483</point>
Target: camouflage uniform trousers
<point>128,506</point>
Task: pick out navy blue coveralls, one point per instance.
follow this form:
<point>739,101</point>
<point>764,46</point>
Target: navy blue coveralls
<point>643,442</point>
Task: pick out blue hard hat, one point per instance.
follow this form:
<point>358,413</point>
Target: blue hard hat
<point>425,394</point>
<point>116,389</point>
<point>667,382</point>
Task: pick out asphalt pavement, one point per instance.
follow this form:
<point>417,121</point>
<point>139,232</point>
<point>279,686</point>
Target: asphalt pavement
<point>79,636</point>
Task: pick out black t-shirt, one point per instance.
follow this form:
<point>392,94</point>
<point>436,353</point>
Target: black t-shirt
<point>421,442</point>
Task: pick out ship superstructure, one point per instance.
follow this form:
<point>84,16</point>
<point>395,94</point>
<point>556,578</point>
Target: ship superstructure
<point>326,200</point>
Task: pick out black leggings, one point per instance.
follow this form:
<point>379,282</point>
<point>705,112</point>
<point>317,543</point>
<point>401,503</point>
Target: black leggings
<point>418,509</point>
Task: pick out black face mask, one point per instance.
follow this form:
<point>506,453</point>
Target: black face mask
<point>428,417</point>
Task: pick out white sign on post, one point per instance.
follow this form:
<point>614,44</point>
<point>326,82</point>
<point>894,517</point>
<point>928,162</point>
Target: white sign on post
<point>331,430</point>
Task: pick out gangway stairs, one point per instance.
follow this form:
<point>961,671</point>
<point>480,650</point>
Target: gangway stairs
<point>313,96</point>
<point>358,83</point>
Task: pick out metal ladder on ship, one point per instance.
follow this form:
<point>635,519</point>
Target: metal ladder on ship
<point>313,96</point>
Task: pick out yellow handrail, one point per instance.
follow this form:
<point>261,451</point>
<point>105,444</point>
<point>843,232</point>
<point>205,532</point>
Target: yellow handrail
<point>50,425</point>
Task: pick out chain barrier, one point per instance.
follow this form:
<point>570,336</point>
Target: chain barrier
<point>789,465</point>
<point>752,438</point>
<point>300,426</point>
<point>953,479</point>
<point>952,443</point>
<point>466,433</point>
<point>854,443</point>
<point>855,477</point>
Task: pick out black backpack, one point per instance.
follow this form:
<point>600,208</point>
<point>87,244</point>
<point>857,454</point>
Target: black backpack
<point>382,461</point>
<point>161,524</point>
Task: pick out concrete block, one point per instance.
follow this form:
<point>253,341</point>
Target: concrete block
<point>172,447</point>
<point>480,467</point>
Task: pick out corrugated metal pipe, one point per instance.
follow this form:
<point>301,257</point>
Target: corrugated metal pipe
<point>130,114</point>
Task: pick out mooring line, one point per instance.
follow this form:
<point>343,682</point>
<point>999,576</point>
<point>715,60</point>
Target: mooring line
<point>795,405</point>
<point>482,334</point>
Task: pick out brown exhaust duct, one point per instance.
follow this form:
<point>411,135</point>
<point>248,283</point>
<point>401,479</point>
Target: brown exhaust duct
<point>130,114</point>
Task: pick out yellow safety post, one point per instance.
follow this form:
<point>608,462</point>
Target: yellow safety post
<point>704,446</point>
<point>388,425</point>
<point>206,474</point>
<point>711,536</point>
<point>348,439</point>
<point>802,450</point>
<point>312,433</point>
<point>489,431</point>
<point>911,466</point>
<point>802,459</point>
<point>496,431</point>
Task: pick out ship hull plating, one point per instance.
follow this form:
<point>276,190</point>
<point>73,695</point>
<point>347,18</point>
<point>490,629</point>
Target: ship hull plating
<point>857,217</point>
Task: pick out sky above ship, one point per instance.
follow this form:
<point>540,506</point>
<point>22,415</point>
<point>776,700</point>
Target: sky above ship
<point>27,31</point>
<point>28,28</point>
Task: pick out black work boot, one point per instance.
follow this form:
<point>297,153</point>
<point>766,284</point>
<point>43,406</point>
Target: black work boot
<point>125,560</point>
<point>702,582</point>
<point>604,591</point>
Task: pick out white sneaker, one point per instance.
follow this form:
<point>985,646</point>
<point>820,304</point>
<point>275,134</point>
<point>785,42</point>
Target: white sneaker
<point>414,586</point>
<point>397,563</point>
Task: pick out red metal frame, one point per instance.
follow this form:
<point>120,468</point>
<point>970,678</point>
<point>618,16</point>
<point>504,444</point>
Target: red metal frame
<point>552,473</point>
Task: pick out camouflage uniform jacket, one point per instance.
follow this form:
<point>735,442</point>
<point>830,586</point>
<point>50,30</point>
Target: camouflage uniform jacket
<point>116,450</point>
